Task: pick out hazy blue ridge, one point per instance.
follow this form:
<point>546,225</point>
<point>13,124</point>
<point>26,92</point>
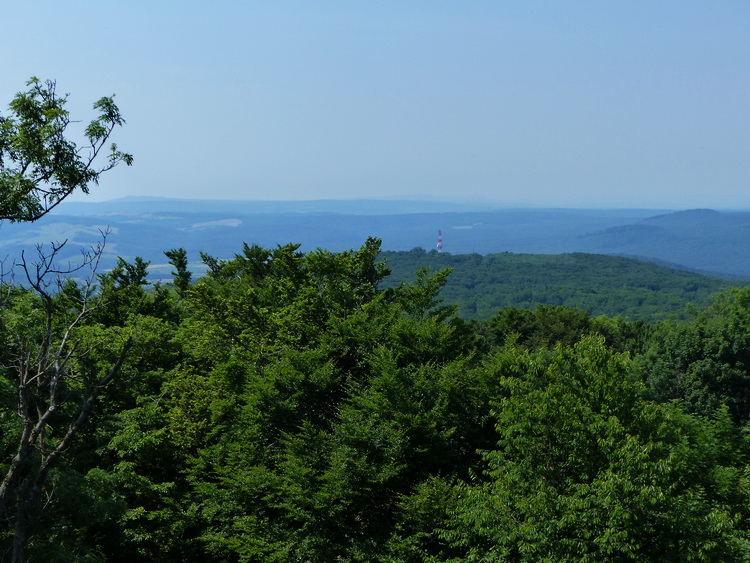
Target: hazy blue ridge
<point>699,240</point>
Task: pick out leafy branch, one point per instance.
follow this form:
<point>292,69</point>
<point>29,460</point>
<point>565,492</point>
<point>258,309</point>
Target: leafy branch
<point>39,165</point>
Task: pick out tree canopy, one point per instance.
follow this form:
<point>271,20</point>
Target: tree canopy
<point>288,407</point>
<point>39,165</point>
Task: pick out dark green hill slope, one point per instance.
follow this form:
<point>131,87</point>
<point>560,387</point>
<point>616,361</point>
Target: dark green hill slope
<point>611,285</point>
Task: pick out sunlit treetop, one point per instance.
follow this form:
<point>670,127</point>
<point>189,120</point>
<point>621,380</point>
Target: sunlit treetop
<point>39,165</point>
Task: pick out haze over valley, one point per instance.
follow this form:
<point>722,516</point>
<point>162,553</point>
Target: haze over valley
<point>707,241</point>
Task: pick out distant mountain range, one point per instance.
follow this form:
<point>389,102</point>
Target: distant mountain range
<point>713,242</point>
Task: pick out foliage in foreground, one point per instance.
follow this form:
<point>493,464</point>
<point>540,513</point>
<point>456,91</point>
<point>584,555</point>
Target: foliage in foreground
<point>40,165</point>
<point>287,407</point>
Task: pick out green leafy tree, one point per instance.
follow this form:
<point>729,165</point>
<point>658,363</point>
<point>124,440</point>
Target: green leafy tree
<point>65,345</point>
<point>39,165</point>
<point>49,357</point>
<point>586,469</point>
<point>704,363</point>
<point>178,258</point>
<point>546,326</point>
<point>308,404</point>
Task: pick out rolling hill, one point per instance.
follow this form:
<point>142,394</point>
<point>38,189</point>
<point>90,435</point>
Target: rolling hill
<point>602,285</point>
<point>705,241</point>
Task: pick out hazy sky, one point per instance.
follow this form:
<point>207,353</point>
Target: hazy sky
<point>634,103</point>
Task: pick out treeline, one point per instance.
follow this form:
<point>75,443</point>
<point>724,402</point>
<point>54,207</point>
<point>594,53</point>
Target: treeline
<point>290,407</point>
<point>480,285</point>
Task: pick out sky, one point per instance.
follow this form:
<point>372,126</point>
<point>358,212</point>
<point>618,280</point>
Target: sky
<point>623,103</point>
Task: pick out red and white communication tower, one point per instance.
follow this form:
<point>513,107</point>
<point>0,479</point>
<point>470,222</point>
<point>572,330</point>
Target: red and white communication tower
<point>440,241</point>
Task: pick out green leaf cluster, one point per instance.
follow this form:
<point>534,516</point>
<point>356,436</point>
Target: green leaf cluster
<point>39,165</point>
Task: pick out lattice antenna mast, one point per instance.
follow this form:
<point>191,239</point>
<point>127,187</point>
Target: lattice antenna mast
<point>440,241</point>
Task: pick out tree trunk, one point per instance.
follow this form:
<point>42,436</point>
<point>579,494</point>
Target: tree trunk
<point>19,530</point>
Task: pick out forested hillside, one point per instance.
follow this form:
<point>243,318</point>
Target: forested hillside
<point>601,285</point>
<point>290,406</point>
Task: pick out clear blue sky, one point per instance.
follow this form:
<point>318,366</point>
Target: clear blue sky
<point>632,103</point>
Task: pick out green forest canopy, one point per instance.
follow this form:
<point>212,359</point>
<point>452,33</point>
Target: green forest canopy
<point>480,285</point>
<point>290,407</point>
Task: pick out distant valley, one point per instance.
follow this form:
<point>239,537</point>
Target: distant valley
<point>712,242</point>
